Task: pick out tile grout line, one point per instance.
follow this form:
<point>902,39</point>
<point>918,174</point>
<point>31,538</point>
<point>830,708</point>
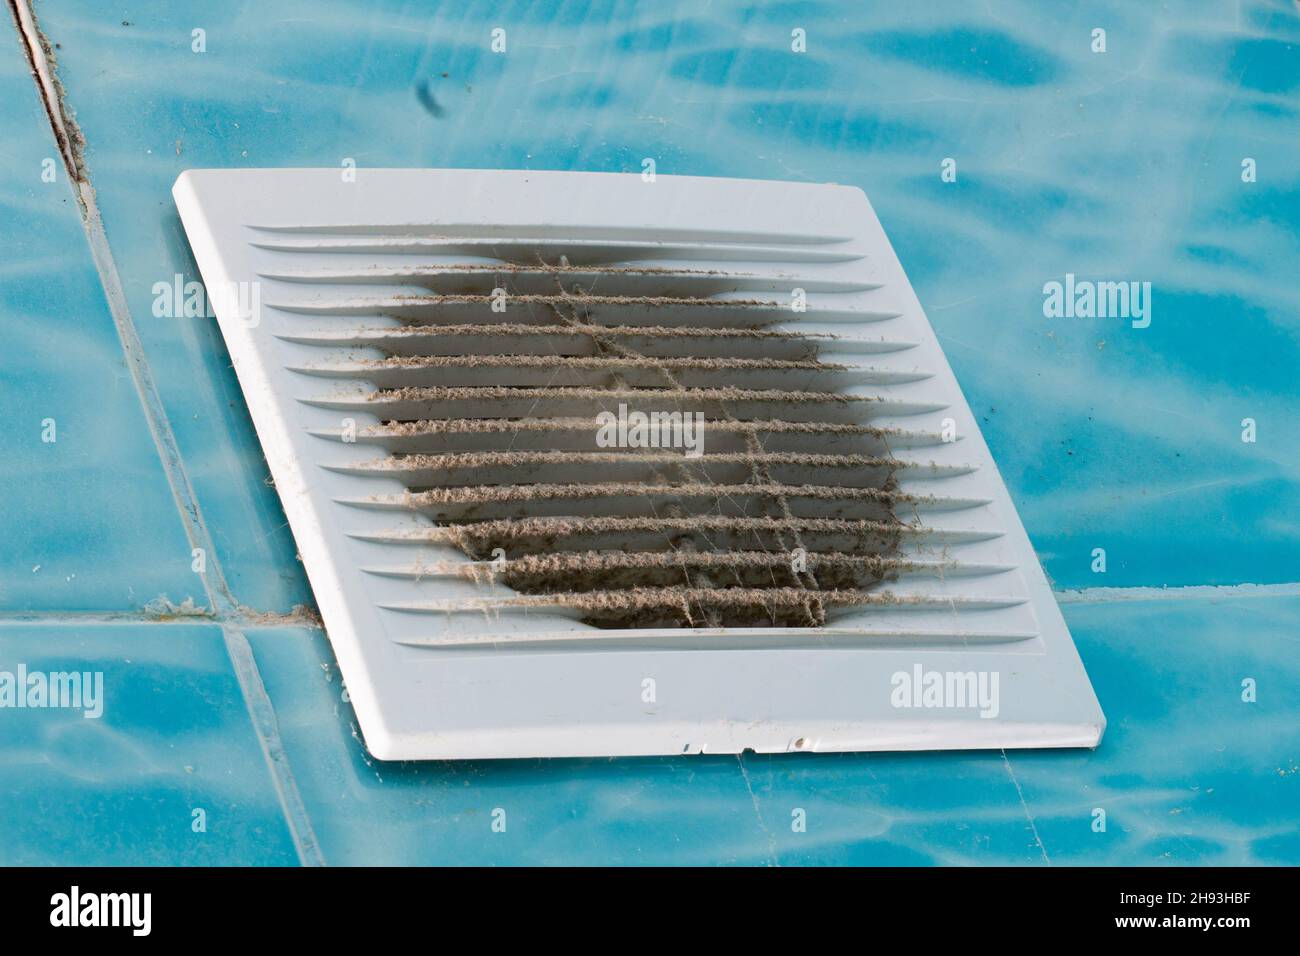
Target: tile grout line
<point>1033,827</point>
<point>262,714</point>
<point>260,710</point>
<point>67,134</point>
<point>244,617</point>
<point>1189,592</point>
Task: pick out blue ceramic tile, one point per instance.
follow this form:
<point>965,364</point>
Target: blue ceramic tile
<point>875,808</point>
<point>588,811</point>
<point>1188,772</point>
<point>87,521</point>
<point>891,809</point>
<point>1122,165</point>
<point>173,737</point>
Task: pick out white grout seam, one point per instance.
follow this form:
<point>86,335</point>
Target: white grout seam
<point>1196,592</point>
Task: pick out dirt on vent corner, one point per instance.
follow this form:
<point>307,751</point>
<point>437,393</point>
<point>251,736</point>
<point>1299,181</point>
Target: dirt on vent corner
<point>302,615</point>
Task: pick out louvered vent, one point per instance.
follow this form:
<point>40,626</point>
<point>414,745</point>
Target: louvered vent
<point>581,464</point>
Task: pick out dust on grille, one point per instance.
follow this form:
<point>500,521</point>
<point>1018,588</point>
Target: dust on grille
<point>767,498</point>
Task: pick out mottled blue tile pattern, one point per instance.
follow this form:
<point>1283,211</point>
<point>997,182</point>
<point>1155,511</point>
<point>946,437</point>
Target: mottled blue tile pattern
<point>1122,165</point>
<point>87,521</point>
<point>122,788</point>
<point>1188,772</point>
<point>1115,165</point>
<point>878,808</point>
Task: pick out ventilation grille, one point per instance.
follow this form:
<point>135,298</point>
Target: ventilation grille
<point>457,412</point>
<point>752,486</point>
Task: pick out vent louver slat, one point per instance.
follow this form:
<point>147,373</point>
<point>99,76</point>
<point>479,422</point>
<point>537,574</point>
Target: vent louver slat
<point>722,312</point>
<point>535,534</point>
<point>574,434</point>
<point>446,403</point>
<point>561,467</point>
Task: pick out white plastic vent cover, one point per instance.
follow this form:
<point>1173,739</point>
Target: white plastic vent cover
<point>426,355</point>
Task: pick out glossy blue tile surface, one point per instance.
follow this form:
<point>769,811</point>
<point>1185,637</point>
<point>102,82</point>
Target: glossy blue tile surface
<point>173,737</point>
<point>1188,772</point>
<point>87,521</point>
<point>1122,165</point>
<point>702,810</point>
